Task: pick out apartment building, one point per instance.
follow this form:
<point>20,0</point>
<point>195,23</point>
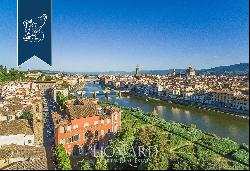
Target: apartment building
<point>85,126</point>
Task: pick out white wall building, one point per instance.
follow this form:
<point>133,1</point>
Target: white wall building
<point>20,139</point>
<point>17,132</point>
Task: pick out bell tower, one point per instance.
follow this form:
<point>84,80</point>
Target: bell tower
<point>38,121</point>
<point>137,69</point>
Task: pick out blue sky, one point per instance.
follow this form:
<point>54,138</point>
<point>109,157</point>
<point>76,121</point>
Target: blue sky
<point>103,35</point>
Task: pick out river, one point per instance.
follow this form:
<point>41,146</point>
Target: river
<point>221,124</point>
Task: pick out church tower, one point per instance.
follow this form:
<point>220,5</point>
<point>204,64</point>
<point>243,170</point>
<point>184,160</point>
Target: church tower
<point>190,72</point>
<point>38,121</point>
<point>137,70</point>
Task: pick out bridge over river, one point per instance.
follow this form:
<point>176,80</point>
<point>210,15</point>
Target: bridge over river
<point>106,92</point>
<point>213,122</point>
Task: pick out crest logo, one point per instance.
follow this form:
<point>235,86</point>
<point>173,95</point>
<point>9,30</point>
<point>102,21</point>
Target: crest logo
<point>34,25</point>
<point>33,29</point>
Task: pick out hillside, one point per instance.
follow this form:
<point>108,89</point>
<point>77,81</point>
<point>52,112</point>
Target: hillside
<point>242,68</point>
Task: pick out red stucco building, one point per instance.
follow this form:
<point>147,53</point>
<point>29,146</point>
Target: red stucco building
<point>84,125</point>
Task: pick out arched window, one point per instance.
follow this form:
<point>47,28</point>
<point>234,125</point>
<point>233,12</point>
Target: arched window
<point>85,149</point>
<point>96,133</point>
<point>115,128</point>
<point>37,108</point>
<point>87,135</point>
<point>109,131</point>
<point>96,145</point>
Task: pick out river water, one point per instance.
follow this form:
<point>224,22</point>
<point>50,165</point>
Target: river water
<point>221,124</point>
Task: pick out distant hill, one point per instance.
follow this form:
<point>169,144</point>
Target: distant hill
<point>242,68</point>
<point>161,72</point>
<point>153,72</point>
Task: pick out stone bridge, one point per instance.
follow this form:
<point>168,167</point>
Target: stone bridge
<point>109,92</point>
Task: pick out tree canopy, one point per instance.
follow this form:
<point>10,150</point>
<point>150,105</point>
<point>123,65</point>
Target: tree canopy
<point>63,161</point>
<point>85,165</point>
<point>101,162</point>
<point>11,74</point>
<point>178,146</point>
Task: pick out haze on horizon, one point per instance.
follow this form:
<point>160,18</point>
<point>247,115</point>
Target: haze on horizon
<point>94,35</point>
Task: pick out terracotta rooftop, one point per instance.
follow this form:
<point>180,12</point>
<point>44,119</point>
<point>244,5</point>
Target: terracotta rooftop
<point>6,113</point>
<point>14,106</point>
<point>37,164</point>
<point>15,127</point>
<point>27,108</point>
<point>82,108</point>
<point>44,81</point>
<point>19,151</point>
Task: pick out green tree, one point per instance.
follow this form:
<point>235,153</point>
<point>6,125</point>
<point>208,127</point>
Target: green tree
<point>62,158</point>
<point>65,84</point>
<point>1,69</point>
<point>101,162</point>
<point>48,78</point>
<point>11,76</point>
<point>28,116</point>
<point>61,100</point>
<point>158,156</point>
<point>5,70</point>
<point>180,147</point>
<point>70,97</point>
<point>181,164</point>
<point>85,165</point>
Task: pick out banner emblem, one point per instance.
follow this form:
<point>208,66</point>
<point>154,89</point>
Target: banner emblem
<point>34,30</point>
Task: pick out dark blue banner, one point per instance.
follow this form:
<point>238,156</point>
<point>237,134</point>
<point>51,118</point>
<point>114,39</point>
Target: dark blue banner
<point>34,30</point>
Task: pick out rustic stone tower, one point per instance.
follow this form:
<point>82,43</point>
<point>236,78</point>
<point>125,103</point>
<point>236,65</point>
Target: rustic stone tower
<point>38,121</point>
<point>137,69</point>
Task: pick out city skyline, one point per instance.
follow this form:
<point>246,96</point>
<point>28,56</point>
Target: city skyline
<point>156,35</point>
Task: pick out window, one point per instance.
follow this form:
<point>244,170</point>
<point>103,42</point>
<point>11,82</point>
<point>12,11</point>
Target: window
<point>102,122</point>
<point>95,123</point>
<point>102,132</point>
<point>96,133</point>
<point>87,135</point>
<point>109,131</point>
<point>9,117</point>
<point>61,129</point>
<point>61,141</point>
<point>68,128</point>
<point>37,108</point>
<point>68,140</point>
<point>86,125</point>
<point>75,126</point>
<point>29,141</point>
<point>108,121</point>
<point>116,117</point>
<point>76,137</point>
<point>115,129</point>
<point>85,148</point>
<point>96,145</point>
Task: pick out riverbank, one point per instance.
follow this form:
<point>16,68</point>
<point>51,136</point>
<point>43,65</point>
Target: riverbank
<point>78,87</point>
<point>210,121</point>
<point>200,143</point>
<point>187,105</point>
